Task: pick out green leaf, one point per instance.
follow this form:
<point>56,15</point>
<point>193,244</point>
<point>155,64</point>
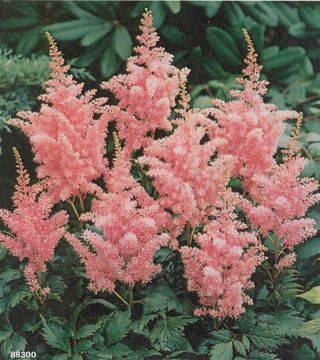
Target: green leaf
<point>74,316</point>
<point>312,326</point>
<point>85,331</point>
<point>118,326</point>
<point>109,62</point>
<point>202,102</point>
<point>122,42</point>
<point>29,40</point>
<point>77,11</point>
<point>174,35</point>
<point>240,347</point>
<point>174,6</point>
<point>12,23</point>
<point>309,249</point>
<point>74,29</point>
<point>310,15</point>
<point>223,46</point>
<point>167,334</point>
<point>212,8</point>
<point>246,342</point>
<point>3,252</point>
<point>160,298</point>
<point>138,326</point>
<point>312,295</point>
<point>96,33</point>
<point>18,295</point>
<point>158,13</point>
<point>19,343</point>
<point>233,12</point>
<point>55,336</point>
<point>263,13</point>
<point>9,275</point>
<point>222,351</point>
<point>286,57</point>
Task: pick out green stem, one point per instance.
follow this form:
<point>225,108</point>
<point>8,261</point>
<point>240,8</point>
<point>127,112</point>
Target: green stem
<point>75,211</point>
<point>82,203</point>
<point>121,298</point>
<point>131,295</point>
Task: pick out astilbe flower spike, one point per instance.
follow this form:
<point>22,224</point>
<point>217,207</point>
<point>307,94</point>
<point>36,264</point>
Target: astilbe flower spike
<point>282,200</point>
<point>147,92</point>
<point>34,233</point>
<point>131,223</point>
<point>67,139</point>
<point>251,128</point>
<point>219,270</point>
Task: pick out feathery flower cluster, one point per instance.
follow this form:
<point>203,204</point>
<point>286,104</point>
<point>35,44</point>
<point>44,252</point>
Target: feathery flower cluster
<point>67,140</point>
<point>34,233</point>
<point>283,200</point>
<point>188,181</point>
<point>131,222</point>
<point>221,268</point>
<point>147,93</point>
<point>251,128</point>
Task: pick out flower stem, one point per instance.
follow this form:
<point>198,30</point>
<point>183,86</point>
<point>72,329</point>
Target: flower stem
<point>121,298</point>
<point>75,211</point>
<point>82,203</point>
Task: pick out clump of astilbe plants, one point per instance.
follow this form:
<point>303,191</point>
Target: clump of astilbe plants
<point>164,237</point>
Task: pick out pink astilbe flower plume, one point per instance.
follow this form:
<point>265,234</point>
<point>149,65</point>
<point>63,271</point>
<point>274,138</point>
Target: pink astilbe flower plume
<point>251,128</point>
<point>147,92</point>
<point>67,139</point>
<point>188,181</point>
<point>219,270</point>
<point>35,233</point>
<point>131,222</point>
<point>282,200</point>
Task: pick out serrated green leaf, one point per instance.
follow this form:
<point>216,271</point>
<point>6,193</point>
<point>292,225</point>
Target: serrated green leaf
<point>312,295</point>
<point>240,347</point>
<point>138,326</point>
<point>159,298</point>
<point>266,338</point>
<point>223,46</point>
<point>85,331</point>
<point>55,336</point>
<point>222,351</point>
<point>167,334</point>
<point>109,62</point>
<point>122,42</point>
<point>118,326</point>
<point>246,342</point>
<point>97,33</point>
<point>174,6</point>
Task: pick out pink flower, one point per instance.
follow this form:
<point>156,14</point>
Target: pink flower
<point>67,140</point>
<point>34,233</point>
<point>251,128</point>
<point>147,92</point>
